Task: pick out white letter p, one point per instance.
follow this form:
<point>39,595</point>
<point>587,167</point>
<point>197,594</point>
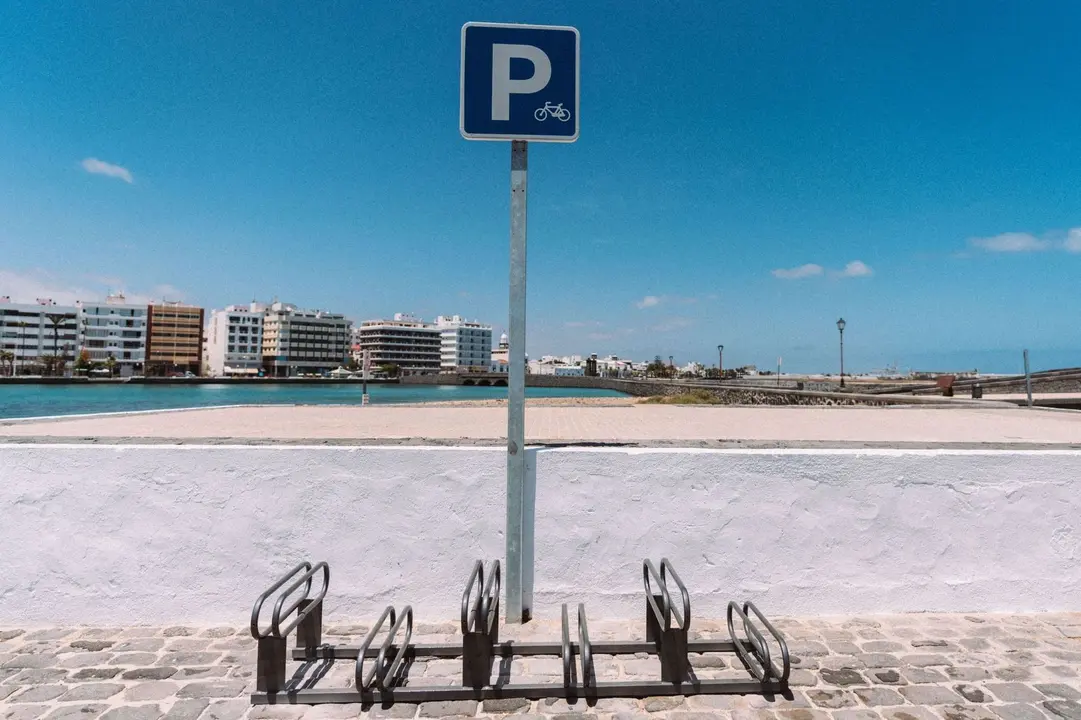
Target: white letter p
<point>503,87</point>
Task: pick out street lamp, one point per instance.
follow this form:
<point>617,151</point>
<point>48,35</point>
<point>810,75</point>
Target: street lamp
<point>841,329</point>
<point>720,362</point>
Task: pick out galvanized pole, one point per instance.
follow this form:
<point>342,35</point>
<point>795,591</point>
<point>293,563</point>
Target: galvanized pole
<point>519,606</point>
<point>365,363</point>
<point>1028,380</point>
<point>842,357</point>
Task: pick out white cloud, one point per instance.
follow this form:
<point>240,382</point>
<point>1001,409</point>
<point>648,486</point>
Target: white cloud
<point>803,271</point>
<point>28,287</point>
<point>856,268</point>
<point>1072,243</point>
<point>1012,242</point>
<point>654,300</point>
<point>647,302</point>
<point>100,167</point>
<point>672,323</point>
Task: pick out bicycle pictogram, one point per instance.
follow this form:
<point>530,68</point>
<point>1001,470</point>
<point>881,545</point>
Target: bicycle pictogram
<point>552,110</point>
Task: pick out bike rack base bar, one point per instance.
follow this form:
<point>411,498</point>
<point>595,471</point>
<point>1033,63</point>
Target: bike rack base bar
<point>631,689</point>
<point>511,648</point>
<point>667,638</point>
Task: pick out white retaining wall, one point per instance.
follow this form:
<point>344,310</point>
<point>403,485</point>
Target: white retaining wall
<point>129,534</point>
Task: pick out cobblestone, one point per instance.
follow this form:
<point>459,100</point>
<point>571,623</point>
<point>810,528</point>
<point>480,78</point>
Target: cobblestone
<point>909,712</point>
<point>967,712</point>
<point>929,695</point>
<point>919,676</point>
<point>189,709</point>
<point>1064,708</point>
<point>447,708</point>
<point>1014,692</point>
<point>879,696</point>
<point>1058,691</point>
<point>80,711</point>
<point>91,691</point>
<point>913,667</point>
<point>841,677</point>
<point>1018,711</point>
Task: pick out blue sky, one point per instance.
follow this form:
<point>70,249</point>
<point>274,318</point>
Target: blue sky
<point>734,160</point>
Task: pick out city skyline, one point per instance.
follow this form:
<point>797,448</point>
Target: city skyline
<point>743,176</point>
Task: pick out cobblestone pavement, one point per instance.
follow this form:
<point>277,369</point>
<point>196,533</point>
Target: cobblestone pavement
<point>896,667</point>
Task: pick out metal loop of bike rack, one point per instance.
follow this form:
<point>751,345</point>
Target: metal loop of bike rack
<point>486,605</point>
<point>308,622</point>
<point>362,681</point>
<point>758,659</point>
<point>586,647</point>
<point>566,653</point>
<point>387,681</point>
<point>389,671</point>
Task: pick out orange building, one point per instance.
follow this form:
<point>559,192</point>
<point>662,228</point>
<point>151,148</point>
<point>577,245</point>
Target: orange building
<point>174,338</point>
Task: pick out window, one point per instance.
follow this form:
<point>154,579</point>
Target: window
<point>232,348</point>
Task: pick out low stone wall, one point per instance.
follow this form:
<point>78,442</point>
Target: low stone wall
<point>1064,385</point>
<point>139,534</point>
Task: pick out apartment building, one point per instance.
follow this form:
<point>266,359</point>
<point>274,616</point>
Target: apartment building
<point>114,329</point>
<point>464,345</point>
<point>31,332</point>
<point>234,341</point>
<point>409,343</point>
<point>301,342</point>
<point>174,338</point>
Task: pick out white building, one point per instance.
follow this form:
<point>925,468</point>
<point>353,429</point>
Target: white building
<point>114,329</point>
<point>552,365</point>
<point>234,341</point>
<point>464,345</point>
<point>407,342</point>
<point>297,342</point>
<point>33,331</point>
<point>501,355</point>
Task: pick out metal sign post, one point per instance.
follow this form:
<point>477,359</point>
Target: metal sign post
<point>1028,381</point>
<point>517,605</point>
<point>518,83</point>
<point>366,363</point>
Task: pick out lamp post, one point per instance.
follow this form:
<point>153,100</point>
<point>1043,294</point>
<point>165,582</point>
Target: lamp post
<point>720,362</point>
<point>841,329</point>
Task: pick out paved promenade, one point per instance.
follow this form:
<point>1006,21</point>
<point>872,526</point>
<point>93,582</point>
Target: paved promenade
<point>644,424</point>
<point>896,667</point>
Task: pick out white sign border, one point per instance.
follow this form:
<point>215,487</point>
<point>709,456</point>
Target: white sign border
<point>530,138</point>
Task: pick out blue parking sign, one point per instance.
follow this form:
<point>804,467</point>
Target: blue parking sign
<point>519,82</point>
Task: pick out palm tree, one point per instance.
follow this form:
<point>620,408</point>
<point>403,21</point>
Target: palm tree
<point>58,319</point>
<point>7,358</point>
<point>110,365</point>
<point>19,342</point>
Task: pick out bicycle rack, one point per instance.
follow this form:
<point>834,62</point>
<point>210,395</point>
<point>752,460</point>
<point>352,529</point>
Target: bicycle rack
<point>386,680</point>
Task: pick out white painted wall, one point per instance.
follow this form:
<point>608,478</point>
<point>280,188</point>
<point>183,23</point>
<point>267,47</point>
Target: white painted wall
<point>171,534</point>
